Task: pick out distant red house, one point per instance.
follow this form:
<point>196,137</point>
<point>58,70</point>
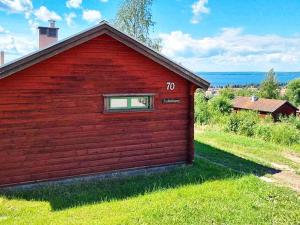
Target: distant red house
<point>265,106</point>
<point>96,102</point>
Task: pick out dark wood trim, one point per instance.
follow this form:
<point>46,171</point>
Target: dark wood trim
<point>190,138</point>
<point>41,55</point>
<point>102,28</point>
<point>106,103</point>
<point>128,94</point>
<point>286,102</point>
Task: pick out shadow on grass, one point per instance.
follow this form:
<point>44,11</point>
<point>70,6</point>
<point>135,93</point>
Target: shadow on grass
<point>219,156</point>
<point>63,196</point>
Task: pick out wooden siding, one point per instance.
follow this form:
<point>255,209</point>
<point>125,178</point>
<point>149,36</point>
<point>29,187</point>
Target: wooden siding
<point>53,125</point>
<point>285,110</point>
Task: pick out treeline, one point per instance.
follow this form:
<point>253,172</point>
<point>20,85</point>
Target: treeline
<point>250,85</point>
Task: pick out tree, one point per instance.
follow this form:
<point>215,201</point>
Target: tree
<point>202,113</point>
<point>227,92</point>
<point>293,91</point>
<point>134,17</point>
<point>221,104</point>
<point>246,91</point>
<point>269,88</point>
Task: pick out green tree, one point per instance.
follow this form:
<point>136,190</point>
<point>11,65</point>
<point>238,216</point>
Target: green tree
<point>227,92</point>
<point>134,17</point>
<point>293,91</point>
<point>221,104</point>
<point>269,88</point>
<point>246,91</point>
<point>202,113</point>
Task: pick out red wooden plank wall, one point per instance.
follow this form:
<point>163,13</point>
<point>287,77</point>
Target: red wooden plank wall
<point>52,123</point>
<point>285,109</point>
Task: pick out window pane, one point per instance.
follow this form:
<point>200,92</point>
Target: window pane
<point>128,103</point>
<point>139,102</point>
<point>117,103</point>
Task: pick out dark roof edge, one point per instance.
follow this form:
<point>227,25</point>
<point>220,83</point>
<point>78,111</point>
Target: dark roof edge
<point>286,101</point>
<point>103,27</point>
<point>258,110</point>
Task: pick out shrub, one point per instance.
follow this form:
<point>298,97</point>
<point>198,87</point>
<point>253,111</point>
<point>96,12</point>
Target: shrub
<point>219,119</point>
<point>243,122</point>
<point>263,131</point>
<point>268,119</point>
<point>284,133</point>
<point>202,113</point>
<point>292,120</point>
<point>248,121</point>
<point>227,93</point>
<point>220,104</point>
<point>233,123</point>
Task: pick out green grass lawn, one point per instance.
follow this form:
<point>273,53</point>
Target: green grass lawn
<point>198,194</point>
<point>216,144</point>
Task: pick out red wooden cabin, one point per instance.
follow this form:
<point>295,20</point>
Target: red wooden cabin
<point>96,102</point>
<point>263,106</point>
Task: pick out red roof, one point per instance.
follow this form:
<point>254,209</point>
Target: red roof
<point>261,104</point>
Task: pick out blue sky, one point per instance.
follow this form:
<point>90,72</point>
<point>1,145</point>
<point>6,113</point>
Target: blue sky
<point>203,35</point>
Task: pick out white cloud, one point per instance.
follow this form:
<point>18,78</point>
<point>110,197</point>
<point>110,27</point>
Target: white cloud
<point>232,50</point>
<point>15,46</point>
<point>2,30</point>
<point>45,14</point>
<point>69,18</point>
<point>91,15</point>
<point>33,24</point>
<point>73,3</point>
<point>199,8</point>
<point>16,5</point>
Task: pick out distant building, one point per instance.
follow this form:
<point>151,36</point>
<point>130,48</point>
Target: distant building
<point>212,92</point>
<point>265,106</point>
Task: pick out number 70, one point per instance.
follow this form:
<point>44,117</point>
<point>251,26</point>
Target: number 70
<point>170,86</point>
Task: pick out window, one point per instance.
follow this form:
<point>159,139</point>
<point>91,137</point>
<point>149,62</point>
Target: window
<point>132,102</point>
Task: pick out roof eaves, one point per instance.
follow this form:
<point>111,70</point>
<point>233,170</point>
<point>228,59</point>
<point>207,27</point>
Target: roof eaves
<point>40,55</point>
<point>258,110</point>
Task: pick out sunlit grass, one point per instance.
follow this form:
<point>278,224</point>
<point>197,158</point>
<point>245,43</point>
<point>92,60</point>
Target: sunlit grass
<point>250,148</point>
<point>198,194</point>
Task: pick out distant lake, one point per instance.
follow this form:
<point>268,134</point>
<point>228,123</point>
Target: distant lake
<point>243,78</point>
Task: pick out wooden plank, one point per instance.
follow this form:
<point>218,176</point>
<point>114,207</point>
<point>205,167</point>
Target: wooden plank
<point>52,125</point>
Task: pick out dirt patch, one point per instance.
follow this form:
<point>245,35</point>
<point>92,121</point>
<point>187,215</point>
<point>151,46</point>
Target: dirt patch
<point>285,177</point>
<point>282,167</point>
<point>266,179</point>
<point>288,178</point>
<point>292,156</point>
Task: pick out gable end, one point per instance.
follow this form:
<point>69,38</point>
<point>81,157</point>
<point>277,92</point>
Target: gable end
<point>102,28</point>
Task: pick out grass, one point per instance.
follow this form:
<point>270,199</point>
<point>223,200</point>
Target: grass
<point>252,149</point>
<point>199,194</point>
